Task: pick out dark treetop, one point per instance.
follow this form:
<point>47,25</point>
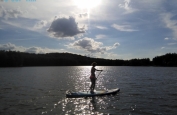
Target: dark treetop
<point>20,59</point>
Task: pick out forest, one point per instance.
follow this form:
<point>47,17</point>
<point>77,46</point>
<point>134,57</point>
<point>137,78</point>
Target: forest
<point>23,59</point>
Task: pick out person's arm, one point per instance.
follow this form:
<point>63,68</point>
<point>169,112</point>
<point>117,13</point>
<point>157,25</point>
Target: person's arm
<point>98,70</point>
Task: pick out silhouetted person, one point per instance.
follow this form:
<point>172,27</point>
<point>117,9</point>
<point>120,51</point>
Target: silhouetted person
<point>93,77</point>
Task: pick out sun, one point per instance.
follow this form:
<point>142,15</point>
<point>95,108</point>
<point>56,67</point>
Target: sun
<point>87,4</point>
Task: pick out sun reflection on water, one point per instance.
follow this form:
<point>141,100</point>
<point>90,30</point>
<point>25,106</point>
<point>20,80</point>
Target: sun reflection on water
<point>81,82</point>
<point>43,91</point>
<point>89,105</point>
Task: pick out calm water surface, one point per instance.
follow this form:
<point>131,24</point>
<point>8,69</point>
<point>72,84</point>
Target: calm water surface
<point>41,90</point>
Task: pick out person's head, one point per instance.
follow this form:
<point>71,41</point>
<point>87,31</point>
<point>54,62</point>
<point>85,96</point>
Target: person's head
<point>94,64</point>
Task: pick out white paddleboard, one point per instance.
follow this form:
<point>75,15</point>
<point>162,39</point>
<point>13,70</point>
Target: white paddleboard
<point>91,94</point>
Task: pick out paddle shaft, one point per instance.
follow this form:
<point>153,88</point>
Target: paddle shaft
<point>98,74</point>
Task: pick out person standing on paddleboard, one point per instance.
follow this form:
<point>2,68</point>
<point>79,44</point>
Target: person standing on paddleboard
<point>92,76</point>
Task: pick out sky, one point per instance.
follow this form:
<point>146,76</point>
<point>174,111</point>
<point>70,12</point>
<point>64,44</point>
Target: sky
<point>110,29</point>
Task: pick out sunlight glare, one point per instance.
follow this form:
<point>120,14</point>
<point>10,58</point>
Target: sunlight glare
<point>88,4</point>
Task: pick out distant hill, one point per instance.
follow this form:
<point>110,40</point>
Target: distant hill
<point>169,59</point>
<point>20,59</point>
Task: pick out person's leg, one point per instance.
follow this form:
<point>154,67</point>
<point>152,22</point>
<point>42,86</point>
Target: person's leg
<point>93,87</point>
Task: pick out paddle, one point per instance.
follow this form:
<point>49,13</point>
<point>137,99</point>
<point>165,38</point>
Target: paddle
<point>99,74</point>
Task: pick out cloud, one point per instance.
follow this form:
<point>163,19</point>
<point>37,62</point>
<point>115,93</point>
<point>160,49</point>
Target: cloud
<point>40,24</point>
<point>7,46</point>
<point>100,36</point>
<point>90,55</point>
<point>106,55</point>
<point>162,47</point>
<point>111,55</point>
<point>63,27</point>
<point>172,44</point>
<point>32,7</point>
<point>92,46</point>
<point>83,15</point>
<point>15,13</point>
<point>166,38</point>
<point>170,23</point>
<point>126,6</point>
<point>34,49</point>
<point>126,28</point>
<point>101,27</point>
<point>39,50</point>
<point>115,45</point>
<point>1,11</point>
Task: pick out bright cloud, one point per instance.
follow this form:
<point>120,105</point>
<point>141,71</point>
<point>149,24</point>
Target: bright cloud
<point>166,38</point>
<point>10,13</point>
<point>126,28</point>
<point>34,49</point>
<point>100,36</point>
<point>101,27</point>
<point>8,46</point>
<point>91,45</point>
<point>127,7</point>
<point>170,23</point>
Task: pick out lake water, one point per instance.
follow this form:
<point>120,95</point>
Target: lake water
<point>41,90</point>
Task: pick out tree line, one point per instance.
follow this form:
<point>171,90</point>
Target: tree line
<point>169,59</point>
<point>23,59</point>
